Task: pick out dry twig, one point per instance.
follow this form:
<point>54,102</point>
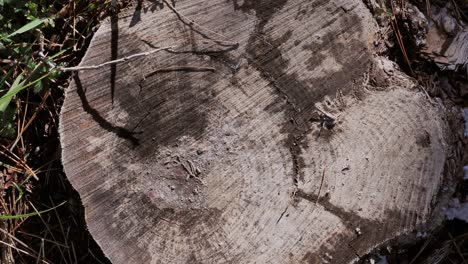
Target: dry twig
<point>131,57</point>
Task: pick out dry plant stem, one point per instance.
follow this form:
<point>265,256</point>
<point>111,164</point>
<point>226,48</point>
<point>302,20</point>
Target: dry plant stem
<point>13,238</point>
<point>457,249</point>
<point>5,251</point>
<point>43,58</point>
<point>396,29</point>
<point>30,120</point>
<point>94,257</point>
<point>16,159</point>
<point>48,228</point>
<point>45,239</point>
<point>428,9</point>
<point>65,235</point>
<point>20,250</point>
<point>74,26</point>
<point>421,250</point>
<point>131,57</point>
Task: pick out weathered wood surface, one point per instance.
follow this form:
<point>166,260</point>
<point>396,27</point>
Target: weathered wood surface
<point>447,41</point>
<point>233,166</point>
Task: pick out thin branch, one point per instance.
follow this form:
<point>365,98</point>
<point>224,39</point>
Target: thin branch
<point>25,126</point>
<point>457,248</point>
<point>22,251</point>
<point>131,57</point>
<point>426,243</point>
<point>18,241</point>
<point>44,59</point>
<point>13,157</point>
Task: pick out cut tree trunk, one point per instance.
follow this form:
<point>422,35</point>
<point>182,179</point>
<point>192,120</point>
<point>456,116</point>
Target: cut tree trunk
<point>269,133</point>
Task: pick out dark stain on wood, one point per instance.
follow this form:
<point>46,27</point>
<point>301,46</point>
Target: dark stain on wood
<point>296,96</point>
<point>310,258</point>
<point>265,55</point>
<point>424,139</point>
<point>178,108</point>
<point>353,57</point>
<point>264,9</point>
<point>192,222</point>
<point>136,17</point>
<point>193,259</point>
<point>370,231</point>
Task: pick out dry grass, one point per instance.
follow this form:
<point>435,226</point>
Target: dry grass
<point>31,176</point>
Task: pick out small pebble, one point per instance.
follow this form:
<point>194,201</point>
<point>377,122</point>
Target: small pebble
<point>358,231</point>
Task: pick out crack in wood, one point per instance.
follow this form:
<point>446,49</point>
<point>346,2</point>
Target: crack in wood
<point>270,71</point>
<point>329,207</point>
<point>351,221</point>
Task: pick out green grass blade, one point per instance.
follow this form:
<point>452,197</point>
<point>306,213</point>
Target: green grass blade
<point>59,53</point>
<point>5,99</point>
<point>21,193</point>
<point>9,217</point>
<point>29,26</point>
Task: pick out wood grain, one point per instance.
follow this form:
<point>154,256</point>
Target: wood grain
<point>176,165</point>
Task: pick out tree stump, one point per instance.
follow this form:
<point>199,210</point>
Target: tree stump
<point>269,133</point>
